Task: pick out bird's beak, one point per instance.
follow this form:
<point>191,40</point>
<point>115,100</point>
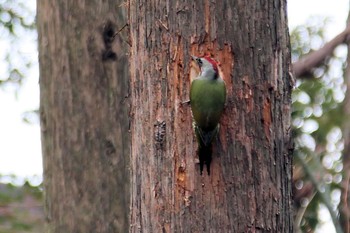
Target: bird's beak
<point>194,57</point>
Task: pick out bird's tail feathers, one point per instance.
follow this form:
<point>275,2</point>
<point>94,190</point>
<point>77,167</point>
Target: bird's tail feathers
<point>205,139</point>
<point>204,154</point>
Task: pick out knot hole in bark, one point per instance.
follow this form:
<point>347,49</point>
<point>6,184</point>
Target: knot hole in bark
<point>108,37</point>
<point>109,148</point>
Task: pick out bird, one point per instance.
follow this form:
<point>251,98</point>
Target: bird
<point>207,100</point>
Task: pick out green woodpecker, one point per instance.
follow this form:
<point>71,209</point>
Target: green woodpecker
<point>207,99</point>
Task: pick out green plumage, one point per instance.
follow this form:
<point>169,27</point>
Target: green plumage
<point>207,98</point>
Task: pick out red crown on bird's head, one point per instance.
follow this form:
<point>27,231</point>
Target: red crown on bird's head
<point>212,62</point>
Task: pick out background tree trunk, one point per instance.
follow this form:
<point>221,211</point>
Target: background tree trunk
<point>249,189</point>
<point>83,84</point>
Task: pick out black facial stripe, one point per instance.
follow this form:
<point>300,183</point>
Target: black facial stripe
<point>199,61</point>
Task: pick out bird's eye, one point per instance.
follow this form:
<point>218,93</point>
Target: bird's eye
<point>199,61</point>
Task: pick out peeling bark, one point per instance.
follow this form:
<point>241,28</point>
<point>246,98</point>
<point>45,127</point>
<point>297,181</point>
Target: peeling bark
<point>249,189</point>
<point>83,84</point>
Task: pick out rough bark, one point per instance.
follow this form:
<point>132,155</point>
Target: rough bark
<point>83,84</point>
<point>249,189</point>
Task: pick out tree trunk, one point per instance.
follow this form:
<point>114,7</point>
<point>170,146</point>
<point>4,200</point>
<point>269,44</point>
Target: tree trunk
<point>249,189</point>
<point>83,84</point>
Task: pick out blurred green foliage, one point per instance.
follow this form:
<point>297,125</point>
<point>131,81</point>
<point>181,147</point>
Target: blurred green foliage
<point>21,207</point>
<point>317,119</point>
<point>17,30</point>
